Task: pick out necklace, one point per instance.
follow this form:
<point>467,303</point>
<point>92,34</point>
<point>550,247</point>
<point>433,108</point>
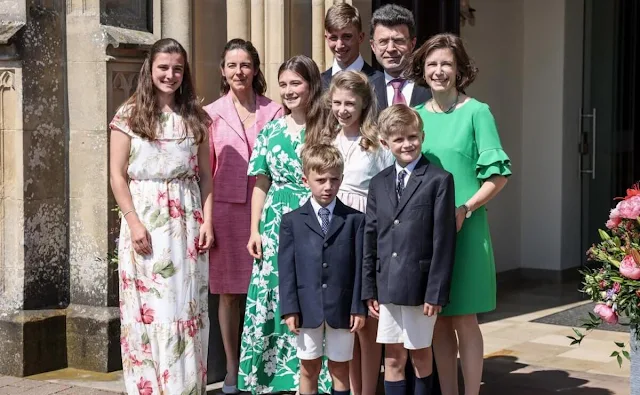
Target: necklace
<point>249,112</point>
<point>346,153</point>
<point>448,110</point>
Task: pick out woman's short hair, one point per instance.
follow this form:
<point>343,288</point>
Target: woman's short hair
<point>259,84</point>
<point>467,71</point>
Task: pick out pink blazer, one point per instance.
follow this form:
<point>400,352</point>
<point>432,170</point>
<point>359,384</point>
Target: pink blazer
<point>230,146</point>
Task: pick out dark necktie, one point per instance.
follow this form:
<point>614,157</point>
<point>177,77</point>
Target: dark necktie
<point>398,97</point>
<point>324,216</point>
<point>400,184</point>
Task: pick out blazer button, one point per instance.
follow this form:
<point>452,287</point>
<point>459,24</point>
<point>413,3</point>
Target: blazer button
<point>396,222</point>
<point>325,264</point>
<point>326,245</point>
<point>395,254</point>
<point>324,286</point>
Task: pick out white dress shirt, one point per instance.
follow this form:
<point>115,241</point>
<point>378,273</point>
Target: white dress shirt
<point>316,207</point>
<point>357,65</point>
<point>407,89</point>
<point>409,169</point>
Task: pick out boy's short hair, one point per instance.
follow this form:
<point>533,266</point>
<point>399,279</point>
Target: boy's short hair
<point>321,158</point>
<point>398,119</point>
<point>340,16</point>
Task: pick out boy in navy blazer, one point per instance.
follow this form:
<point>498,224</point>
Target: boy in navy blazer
<point>409,248</point>
<point>320,262</point>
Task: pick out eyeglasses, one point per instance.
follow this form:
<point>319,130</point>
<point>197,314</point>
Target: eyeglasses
<point>383,43</point>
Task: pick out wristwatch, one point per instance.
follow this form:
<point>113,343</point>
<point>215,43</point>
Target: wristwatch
<point>467,211</point>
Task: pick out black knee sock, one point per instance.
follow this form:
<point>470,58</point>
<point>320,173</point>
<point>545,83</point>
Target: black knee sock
<point>395,387</point>
<point>336,392</point>
<point>423,385</point>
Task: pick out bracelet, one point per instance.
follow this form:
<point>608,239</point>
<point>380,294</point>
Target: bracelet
<point>128,212</point>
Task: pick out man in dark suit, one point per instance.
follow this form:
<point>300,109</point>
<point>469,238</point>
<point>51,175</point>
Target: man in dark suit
<point>409,250</point>
<point>393,38</point>
<point>343,34</point>
<point>320,263</point>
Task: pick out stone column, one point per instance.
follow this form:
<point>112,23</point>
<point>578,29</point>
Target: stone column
<point>317,33</point>
<point>238,19</point>
<point>276,45</point>
<point>328,56</point>
<point>257,28</point>
<point>102,74</point>
<point>176,22</point>
<point>34,276</point>
<point>209,20</point>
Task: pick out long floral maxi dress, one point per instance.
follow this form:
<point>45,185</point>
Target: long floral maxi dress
<point>268,361</point>
<point>163,296</point>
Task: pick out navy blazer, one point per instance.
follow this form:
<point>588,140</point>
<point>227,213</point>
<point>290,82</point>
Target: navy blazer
<point>320,276</point>
<point>409,245</point>
<point>419,95</point>
<point>367,69</point>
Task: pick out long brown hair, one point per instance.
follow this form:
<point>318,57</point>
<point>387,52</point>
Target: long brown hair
<point>467,71</point>
<point>259,84</point>
<point>306,68</point>
<point>145,114</point>
<point>356,82</point>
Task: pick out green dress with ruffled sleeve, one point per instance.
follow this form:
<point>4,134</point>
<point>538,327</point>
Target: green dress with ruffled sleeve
<point>465,143</point>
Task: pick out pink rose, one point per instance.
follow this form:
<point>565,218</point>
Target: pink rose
<point>606,313</point>
<point>146,314</point>
<point>613,223</point>
<point>629,208</point>
<point>629,268</point>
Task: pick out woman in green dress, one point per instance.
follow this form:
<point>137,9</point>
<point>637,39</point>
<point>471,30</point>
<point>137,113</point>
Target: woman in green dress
<point>268,361</point>
<point>461,137</point>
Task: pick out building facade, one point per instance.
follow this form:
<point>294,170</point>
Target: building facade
<point>65,67</point>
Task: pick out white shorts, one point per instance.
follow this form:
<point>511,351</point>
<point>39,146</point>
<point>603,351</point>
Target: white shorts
<point>338,343</point>
<point>405,324</point>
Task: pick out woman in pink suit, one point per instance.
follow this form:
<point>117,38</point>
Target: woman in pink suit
<point>238,116</point>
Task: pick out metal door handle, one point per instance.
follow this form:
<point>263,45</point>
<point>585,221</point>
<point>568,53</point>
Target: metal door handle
<point>592,115</point>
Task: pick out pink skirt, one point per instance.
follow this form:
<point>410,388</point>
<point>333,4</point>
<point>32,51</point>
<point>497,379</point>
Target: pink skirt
<point>230,264</point>
<point>353,200</point>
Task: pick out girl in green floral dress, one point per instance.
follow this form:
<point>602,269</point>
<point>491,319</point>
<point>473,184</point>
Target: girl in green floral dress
<point>268,361</point>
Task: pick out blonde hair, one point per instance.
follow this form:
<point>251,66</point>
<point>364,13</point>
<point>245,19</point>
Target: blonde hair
<point>340,16</point>
<point>321,158</point>
<point>358,83</point>
<point>398,119</point>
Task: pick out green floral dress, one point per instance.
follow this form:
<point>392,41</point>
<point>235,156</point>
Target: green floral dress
<point>268,361</point>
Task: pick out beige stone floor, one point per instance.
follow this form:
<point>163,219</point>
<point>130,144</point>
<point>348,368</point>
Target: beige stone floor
<point>521,358</point>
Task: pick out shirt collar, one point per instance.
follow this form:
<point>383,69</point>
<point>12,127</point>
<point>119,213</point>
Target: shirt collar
<point>388,78</point>
<point>357,65</point>
<point>409,168</point>
<point>316,206</point>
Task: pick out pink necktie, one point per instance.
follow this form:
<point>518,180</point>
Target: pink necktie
<point>398,97</point>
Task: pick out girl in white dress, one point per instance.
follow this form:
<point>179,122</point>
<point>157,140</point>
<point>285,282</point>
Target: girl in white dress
<point>351,126</point>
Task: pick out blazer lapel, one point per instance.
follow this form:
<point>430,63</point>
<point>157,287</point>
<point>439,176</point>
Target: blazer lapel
<point>312,219</point>
<point>415,179</point>
<point>230,115</point>
<point>264,113</point>
<point>337,219</point>
<point>380,88</point>
<point>390,185</point>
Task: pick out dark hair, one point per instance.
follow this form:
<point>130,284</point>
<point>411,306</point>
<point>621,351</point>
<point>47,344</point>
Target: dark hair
<point>467,71</point>
<point>393,15</point>
<point>145,114</point>
<point>305,67</point>
<point>341,15</point>
<point>259,83</point>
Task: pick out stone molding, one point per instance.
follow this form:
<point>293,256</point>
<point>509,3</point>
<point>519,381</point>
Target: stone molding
<point>7,82</point>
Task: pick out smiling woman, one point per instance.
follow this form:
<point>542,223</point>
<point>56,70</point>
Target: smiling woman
<point>160,177</point>
<point>238,117</point>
